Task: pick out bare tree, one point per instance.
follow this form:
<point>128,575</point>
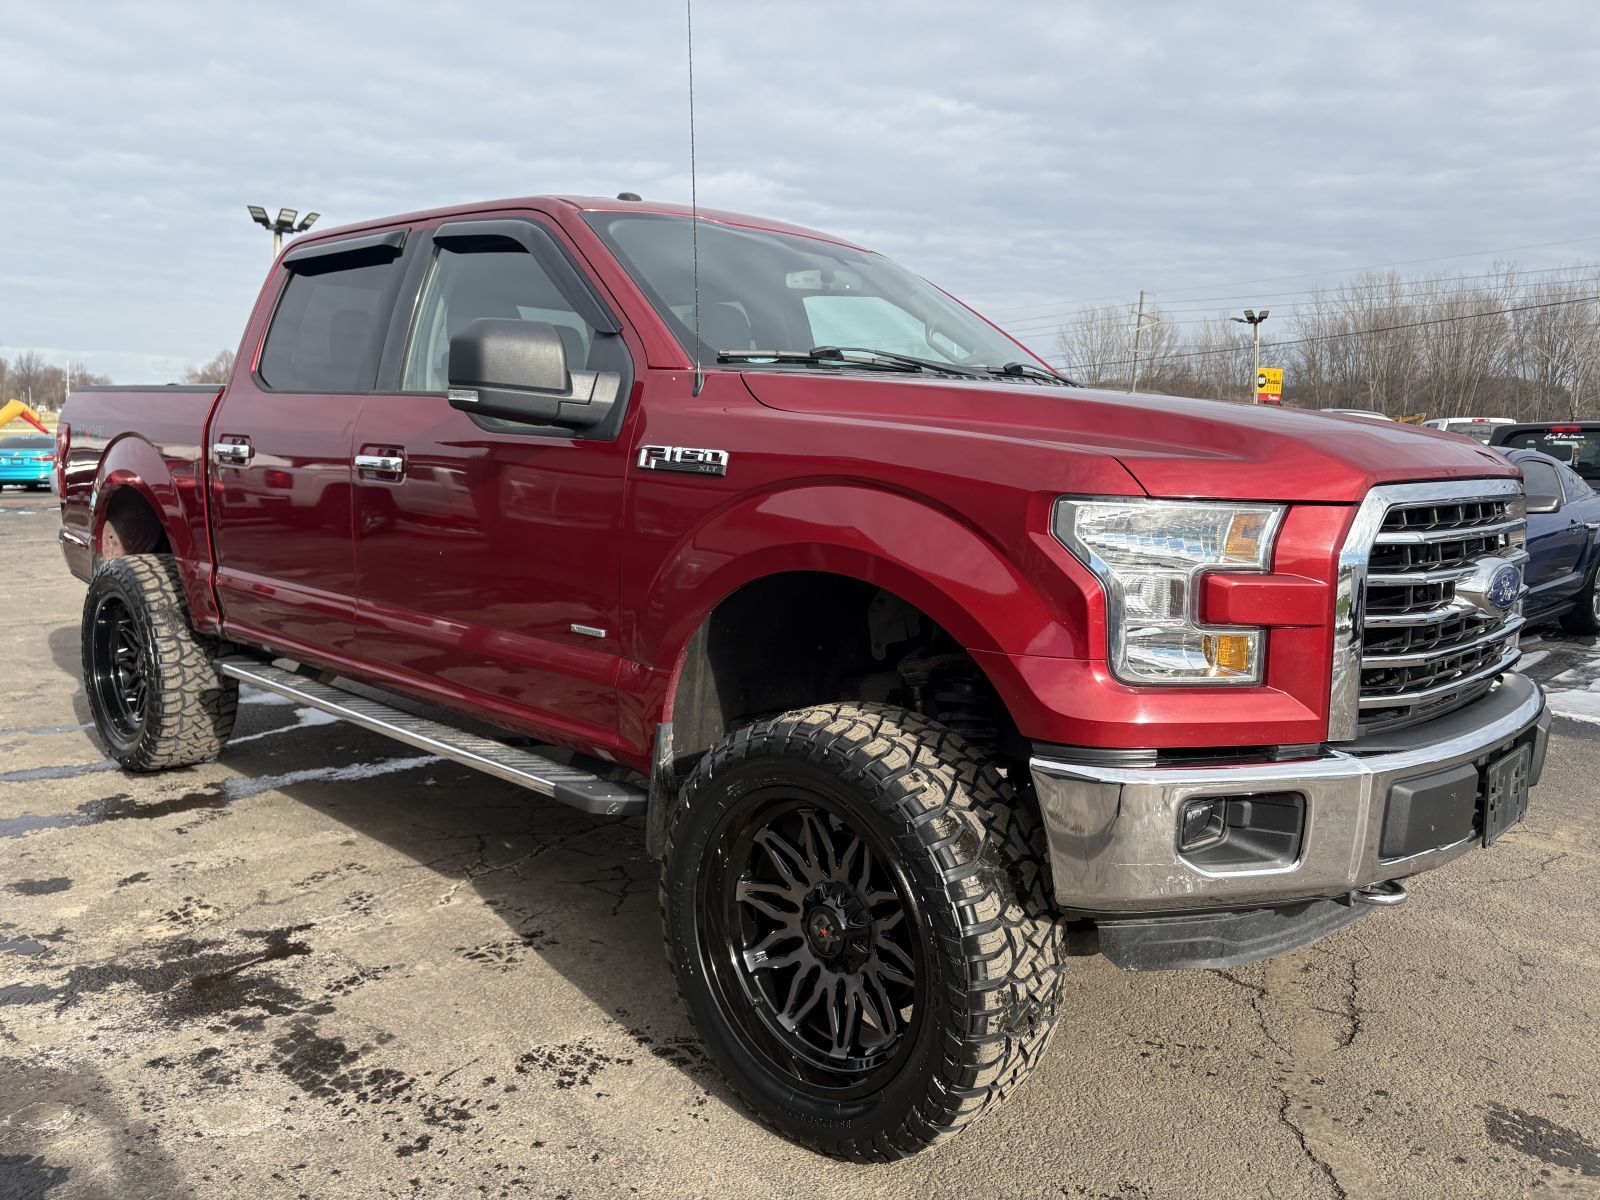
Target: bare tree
<point>217,370</point>
<point>1096,347</point>
<point>34,381</point>
<point>1500,343</point>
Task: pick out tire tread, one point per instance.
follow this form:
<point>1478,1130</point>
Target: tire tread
<point>194,704</point>
<point>987,844</point>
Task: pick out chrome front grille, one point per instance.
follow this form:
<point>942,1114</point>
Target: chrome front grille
<point>1416,639</point>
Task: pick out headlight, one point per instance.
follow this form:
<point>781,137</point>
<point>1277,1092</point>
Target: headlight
<point>1149,556</point>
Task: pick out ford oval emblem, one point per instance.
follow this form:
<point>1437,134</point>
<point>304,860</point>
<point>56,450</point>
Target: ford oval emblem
<point>1504,585</point>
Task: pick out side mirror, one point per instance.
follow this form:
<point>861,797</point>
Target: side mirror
<point>517,371</point>
<point>1544,503</point>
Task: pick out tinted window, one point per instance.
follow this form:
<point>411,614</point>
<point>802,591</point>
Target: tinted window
<point>328,329</point>
<point>1577,488</point>
<point>1541,484</point>
<point>1580,451</point>
<point>487,283</point>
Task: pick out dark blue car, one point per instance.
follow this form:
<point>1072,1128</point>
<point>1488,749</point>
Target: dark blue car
<point>1563,543</point>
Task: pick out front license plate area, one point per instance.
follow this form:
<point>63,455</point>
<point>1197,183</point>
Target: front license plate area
<point>1505,792</point>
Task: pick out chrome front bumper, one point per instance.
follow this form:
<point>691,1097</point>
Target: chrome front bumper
<point>1113,829</point>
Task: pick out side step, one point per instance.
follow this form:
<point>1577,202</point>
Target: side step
<point>570,784</point>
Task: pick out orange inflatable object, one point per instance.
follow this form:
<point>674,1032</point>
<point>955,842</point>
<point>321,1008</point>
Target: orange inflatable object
<point>13,409</point>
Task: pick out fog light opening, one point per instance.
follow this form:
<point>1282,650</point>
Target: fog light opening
<point>1203,823</point>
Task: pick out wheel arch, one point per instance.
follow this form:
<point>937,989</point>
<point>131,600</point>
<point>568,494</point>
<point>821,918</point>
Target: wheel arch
<point>910,546</point>
<point>139,507</point>
<point>844,636</point>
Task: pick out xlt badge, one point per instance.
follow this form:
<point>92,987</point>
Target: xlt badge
<point>688,459</point>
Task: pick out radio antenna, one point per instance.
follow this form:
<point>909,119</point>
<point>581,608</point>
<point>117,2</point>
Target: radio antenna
<point>694,210</point>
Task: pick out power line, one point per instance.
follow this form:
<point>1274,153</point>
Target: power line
<point>1427,285</point>
<point>1340,271</point>
<point>1348,333</point>
<point>1422,301</point>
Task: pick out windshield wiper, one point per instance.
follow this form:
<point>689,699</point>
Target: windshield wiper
<point>1022,370</point>
<point>826,356</point>
<point>850,356</point>
<point>909,361</point>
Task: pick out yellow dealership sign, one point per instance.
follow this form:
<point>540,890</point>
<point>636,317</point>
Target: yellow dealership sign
<point>1269,385</point>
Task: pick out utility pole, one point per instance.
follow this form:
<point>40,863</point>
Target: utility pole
<point>285,223</point>
<point>1254,320</point>
<point>1138,339</point>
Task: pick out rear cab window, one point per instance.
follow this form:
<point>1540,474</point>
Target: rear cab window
<point>1575,447</point>
<point>327,330</point>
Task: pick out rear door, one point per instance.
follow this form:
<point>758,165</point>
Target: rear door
<point>281,443</point>
<point>488,553</point>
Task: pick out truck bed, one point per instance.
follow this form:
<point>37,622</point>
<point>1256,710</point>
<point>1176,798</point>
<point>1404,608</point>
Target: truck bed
<point>152,436</point>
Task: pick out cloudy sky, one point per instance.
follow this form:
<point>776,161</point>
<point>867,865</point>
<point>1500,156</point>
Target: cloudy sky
<point>1030,157</point>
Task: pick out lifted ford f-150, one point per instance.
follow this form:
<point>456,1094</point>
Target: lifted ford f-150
<point>922,664</point>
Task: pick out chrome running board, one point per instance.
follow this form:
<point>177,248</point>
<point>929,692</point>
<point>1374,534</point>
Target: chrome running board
<point>587,790</point>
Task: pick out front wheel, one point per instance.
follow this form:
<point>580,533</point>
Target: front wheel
<point>858,914</point>
<point>1584,617</point>
<point>156,695</point>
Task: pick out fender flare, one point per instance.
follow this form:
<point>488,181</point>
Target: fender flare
<point>130,462</point>
<point>911,547</point>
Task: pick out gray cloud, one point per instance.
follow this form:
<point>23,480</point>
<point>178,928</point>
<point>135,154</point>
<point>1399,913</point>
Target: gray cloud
<point>1027,157</point>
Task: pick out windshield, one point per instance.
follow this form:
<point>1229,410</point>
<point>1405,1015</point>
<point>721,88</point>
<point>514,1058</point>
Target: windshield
<point>1478,431</point>
<point>761,290</point>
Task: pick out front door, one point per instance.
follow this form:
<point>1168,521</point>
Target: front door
<point>487,551</point>
<point>1556,540</point>
<point>280,446</point>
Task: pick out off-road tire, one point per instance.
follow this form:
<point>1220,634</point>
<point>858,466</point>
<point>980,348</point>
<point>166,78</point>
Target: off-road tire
<point>1584,616</point>
<point>189,705</point>
<point>973,851</point>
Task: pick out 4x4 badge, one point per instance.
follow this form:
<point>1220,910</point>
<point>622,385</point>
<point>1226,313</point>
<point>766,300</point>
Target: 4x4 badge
<point>688,459</point>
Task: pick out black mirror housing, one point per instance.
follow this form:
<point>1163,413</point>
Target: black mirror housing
<point>517,371</point>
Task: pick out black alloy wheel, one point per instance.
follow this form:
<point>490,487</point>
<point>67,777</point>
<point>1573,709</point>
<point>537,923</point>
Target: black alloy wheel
<point>117,665</point>
<point>155,692</point>
<point>809,943</point>
<point>858,912</point>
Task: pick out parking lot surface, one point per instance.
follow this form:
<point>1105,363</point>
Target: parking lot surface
<point>330,966</point>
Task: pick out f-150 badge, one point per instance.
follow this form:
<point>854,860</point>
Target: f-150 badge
<point>688,459</point>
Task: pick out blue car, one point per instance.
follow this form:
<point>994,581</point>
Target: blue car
<point>1563,543</point>
<point>27,460</point>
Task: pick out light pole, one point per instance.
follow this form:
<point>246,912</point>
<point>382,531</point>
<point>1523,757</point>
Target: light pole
<point>285,223</point>
<point>1253,319</point>
<point>1138,338</point>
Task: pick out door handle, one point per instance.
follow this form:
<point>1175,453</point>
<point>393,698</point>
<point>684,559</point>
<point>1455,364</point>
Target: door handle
<point>237,454</point>
<point>385,466</point>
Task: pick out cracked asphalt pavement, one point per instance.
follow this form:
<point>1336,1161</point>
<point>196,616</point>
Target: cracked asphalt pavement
<point>328,966</point>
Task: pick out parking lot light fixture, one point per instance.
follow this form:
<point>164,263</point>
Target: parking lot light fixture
<point>1254,320</point>
<point>284,223</point>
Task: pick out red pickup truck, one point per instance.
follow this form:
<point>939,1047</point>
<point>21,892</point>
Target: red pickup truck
<point>922,664</point>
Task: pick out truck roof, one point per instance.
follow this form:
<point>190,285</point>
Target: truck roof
<point>579,204</point>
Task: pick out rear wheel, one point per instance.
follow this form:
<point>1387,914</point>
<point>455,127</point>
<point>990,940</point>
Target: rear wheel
<point>858,916</point>
<point>157,698</point>
<point>1584,617</point>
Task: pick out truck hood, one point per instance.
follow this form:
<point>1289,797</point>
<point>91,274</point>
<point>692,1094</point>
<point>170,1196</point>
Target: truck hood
<point>1173,447</point>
